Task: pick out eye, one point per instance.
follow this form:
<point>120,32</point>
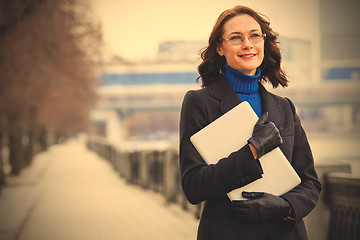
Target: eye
<point>236,37</point>
<point>255,35</point>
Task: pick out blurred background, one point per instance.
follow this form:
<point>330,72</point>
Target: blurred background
<point>113,75</point>
<point>148,63</point>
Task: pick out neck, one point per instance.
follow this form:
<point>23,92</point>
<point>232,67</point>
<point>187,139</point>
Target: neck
<point>240,82</point>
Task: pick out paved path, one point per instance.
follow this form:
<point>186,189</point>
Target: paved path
<point>70,193</point>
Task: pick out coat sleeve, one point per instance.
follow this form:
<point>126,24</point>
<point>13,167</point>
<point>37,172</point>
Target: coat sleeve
<point>201,181</point>
<point>304,197</point>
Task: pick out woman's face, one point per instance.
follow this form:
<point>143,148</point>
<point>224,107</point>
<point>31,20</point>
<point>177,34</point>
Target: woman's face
<point>247,56</point>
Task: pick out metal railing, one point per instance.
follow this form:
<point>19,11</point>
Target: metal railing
<point>159,171</point>
<point>151,169</point>
<point>343,195</point>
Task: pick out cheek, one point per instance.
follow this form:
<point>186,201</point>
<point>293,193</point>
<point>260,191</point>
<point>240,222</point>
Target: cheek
<point>226,51</point>
<point>230,53</point>
<point>262,56</point>
<point>261,53</point>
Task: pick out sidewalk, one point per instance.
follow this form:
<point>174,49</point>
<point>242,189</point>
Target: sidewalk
<point>70,193</point>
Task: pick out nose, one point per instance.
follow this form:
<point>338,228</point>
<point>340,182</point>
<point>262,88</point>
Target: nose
<point>246,44</point>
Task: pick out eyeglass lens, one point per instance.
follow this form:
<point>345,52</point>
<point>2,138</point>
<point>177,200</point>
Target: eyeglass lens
<point>238,39</point>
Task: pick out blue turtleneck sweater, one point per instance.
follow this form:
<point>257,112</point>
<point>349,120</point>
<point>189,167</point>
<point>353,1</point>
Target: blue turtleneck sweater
<point>246,87</point>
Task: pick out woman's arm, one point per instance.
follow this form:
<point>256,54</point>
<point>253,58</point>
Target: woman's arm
<point>201,181</point>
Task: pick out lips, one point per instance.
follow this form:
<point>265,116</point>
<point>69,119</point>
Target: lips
<point>247,55</point>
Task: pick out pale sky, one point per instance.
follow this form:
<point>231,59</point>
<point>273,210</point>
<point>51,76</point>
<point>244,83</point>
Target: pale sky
<point>133,29</point>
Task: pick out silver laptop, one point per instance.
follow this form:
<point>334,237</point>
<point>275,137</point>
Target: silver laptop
<point>228,134</point>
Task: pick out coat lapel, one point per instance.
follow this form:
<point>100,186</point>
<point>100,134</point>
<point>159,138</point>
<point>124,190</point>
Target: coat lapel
<point>270,103</point>
<point>222,90</point>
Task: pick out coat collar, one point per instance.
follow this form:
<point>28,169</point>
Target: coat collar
<point>221,90</point>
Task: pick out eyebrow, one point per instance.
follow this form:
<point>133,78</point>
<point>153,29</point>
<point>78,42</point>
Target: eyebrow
<point>251,31</point>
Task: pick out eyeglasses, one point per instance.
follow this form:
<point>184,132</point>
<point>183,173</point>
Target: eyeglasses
<point>238,39</point>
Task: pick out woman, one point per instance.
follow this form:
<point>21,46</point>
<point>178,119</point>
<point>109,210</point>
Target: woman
<point>241,55</point>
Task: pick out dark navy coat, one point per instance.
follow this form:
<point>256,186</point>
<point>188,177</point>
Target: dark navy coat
<point>211,183</point>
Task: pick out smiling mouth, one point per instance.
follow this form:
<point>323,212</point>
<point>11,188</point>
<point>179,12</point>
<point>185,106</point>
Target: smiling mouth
<point>247,55</point>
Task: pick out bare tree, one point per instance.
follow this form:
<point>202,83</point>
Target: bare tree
<point>47,53</point>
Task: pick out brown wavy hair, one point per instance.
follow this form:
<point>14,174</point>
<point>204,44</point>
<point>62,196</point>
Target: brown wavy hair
<point>213,64</point>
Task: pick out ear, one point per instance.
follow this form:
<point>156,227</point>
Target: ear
<point>219,50</point>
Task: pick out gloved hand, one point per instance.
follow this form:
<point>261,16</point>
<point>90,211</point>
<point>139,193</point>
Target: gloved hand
<point>266,136</point>
<point>260,206</point>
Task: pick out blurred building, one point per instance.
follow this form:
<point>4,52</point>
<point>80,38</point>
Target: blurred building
<point>340,44</point>
<point>145,98</point>
<point>140,104</point>
<point>176,51</point>
<point>295,60</point>
<point>339,86</point>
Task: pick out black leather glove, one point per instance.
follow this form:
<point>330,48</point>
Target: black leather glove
<point>260,206</point>
<point>266,136</point>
